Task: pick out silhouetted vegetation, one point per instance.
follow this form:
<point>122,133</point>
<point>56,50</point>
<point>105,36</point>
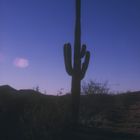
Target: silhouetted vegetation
<point>26,115</point>
<point>93,87</point>
<point>78,69</point>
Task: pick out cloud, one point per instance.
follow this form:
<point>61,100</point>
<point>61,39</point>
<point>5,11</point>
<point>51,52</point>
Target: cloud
<point>21,62</point>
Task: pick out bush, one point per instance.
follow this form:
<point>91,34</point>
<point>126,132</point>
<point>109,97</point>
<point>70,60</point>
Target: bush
<point>92,87</point>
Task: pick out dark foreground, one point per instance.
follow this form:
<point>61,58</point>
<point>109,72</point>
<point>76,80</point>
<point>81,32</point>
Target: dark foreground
<point>30,115</point>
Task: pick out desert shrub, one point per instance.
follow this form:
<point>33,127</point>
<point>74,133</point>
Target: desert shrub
<point>44,117</point>
<point>93,87</point>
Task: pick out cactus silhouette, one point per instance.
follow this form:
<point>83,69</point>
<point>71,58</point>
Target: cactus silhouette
<point>79,67</point>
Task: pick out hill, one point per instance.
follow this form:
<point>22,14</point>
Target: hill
<point>27,114</point>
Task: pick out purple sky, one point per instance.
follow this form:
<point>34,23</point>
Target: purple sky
<point>32,34</point>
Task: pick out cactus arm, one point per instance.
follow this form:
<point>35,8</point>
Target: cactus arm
<point>85,64</point>
<point>68,58</point>
<point>83,51</point>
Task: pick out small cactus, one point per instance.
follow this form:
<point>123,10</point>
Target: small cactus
<point>79,67</point>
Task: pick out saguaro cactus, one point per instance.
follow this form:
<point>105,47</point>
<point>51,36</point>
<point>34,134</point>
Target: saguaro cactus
<point>78,69</point>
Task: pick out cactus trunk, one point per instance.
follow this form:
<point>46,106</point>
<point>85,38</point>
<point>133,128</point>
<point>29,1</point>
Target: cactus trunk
<point>75,91</point>
<point>76,80</point>
<point>78,69</point>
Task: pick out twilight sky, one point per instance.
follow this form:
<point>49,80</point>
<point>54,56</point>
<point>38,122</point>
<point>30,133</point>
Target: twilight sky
<point>32,34</point>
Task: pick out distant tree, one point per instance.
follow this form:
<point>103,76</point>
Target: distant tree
<point>93,87</point>
<point>36,88</point>
<point>60,92</point>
